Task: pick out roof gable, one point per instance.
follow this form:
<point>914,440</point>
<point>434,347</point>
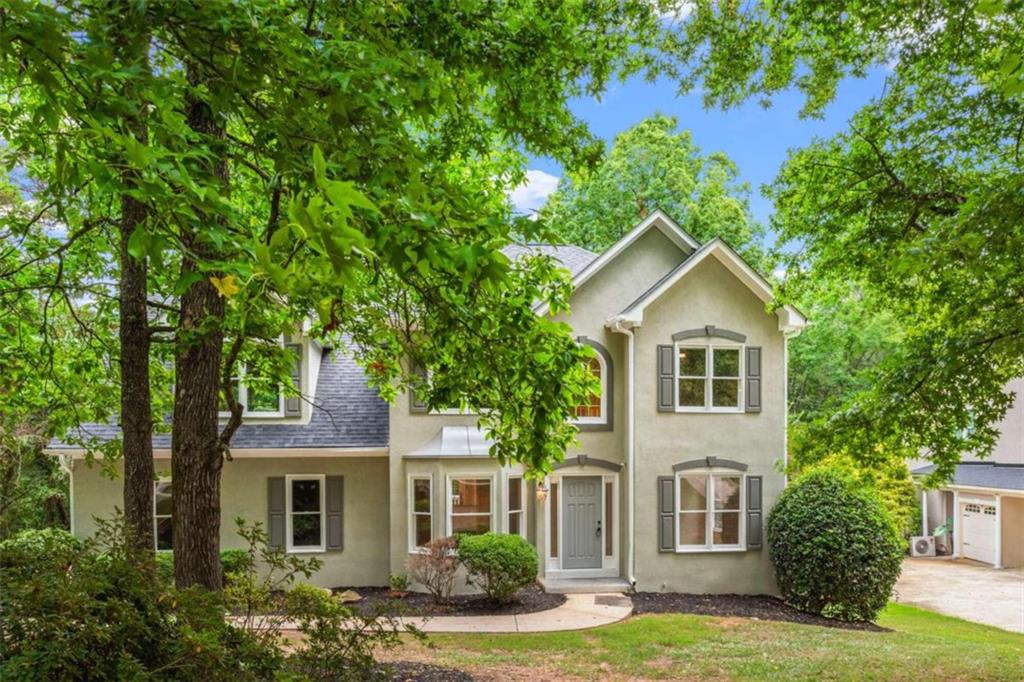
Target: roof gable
<point>659,220</point>
<point>791,320</point>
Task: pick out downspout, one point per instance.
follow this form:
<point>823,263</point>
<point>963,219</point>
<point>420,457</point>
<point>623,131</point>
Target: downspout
<point>67,463</point>
<point>622,327</point>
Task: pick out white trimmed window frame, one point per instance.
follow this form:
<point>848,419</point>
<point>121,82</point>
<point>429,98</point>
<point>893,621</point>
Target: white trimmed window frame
<point>709,376</point>
<point>709,511</point>
<point>448,506</point>
<point>156,516</point>
<point>411,486</point>
<point>603,418</point>
<point>290,547</point>
<point>243,395</point>
<point>508,511</point>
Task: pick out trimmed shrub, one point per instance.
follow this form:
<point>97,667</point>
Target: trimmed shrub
<point>434,567</point>
<point>498,564</point>
<point>836,549</point>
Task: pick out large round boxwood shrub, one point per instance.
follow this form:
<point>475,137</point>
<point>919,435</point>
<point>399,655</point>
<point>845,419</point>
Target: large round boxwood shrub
<point>836,549</point>
<point>498,564</point>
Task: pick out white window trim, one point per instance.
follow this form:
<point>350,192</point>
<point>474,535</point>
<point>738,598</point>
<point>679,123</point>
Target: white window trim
<point>603,418</point>
<point>304,549</point>
<point>709,512</point>
<point>157,517</point>
<point>508,511</point>
<point>243,395</point>
<point>413,547</point>
<point>709,376</point>
<point>491,476</point>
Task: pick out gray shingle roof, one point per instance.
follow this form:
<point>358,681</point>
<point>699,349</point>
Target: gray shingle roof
<point>347,413</point>
<point>984,475</point>
<point>573,258</point>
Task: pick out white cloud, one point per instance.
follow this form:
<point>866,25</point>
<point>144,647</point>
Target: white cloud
<point>531,195</point>
<point>678,12</point>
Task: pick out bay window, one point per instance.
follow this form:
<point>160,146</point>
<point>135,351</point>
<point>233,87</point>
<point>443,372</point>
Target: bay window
<point>470,505</point>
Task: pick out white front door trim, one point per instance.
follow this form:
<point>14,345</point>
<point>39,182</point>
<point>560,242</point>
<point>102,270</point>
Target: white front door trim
<point>609,564</point>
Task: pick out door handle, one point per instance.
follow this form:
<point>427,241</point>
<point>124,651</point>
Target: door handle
<point>598,528</point>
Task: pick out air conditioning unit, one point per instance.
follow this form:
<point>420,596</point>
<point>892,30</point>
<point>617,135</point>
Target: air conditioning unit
<point>922,545</point>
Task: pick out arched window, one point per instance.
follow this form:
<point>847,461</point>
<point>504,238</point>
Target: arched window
<point>594,410</point>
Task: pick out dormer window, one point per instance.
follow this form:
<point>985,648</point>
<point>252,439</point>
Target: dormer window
<point>258,400</point>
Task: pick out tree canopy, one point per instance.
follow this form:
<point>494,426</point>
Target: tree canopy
<point>654,165</point>
<point>917,203</point>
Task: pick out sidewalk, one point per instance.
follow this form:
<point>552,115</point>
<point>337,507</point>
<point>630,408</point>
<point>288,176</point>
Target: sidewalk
<point>579,612</point>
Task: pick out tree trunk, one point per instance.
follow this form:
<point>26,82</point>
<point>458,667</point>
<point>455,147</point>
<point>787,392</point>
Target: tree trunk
<point>196,450</point>
<point>136,408</point>
<point>132,39</point>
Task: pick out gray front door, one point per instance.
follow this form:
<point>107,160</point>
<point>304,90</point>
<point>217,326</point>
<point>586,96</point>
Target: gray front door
<point>581,522</point>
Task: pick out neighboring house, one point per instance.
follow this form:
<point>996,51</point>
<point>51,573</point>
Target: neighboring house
<point>667,489</point>
<point>985,499</point>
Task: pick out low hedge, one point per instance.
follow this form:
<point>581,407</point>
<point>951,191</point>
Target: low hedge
<point>498,564</point>
<point>836,549</point>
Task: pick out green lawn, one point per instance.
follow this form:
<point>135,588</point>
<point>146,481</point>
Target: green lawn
<point>922,646</point>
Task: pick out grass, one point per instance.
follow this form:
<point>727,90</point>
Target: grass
<point>921,646</point>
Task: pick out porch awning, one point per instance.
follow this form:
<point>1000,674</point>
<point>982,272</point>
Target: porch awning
<point>454,441</point>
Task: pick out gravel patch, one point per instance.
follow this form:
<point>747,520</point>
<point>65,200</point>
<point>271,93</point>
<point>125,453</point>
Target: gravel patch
<point>760,607</point>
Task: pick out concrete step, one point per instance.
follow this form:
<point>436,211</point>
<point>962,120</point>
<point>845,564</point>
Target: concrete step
<point>585,585</point>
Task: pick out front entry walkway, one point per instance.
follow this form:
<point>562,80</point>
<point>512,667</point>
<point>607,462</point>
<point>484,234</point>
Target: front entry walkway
<point>579,612</point>
<point>965,589</point>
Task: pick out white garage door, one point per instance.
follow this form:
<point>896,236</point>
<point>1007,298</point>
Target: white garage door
<point>979,528</point>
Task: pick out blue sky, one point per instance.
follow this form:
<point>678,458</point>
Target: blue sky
<point>756,139</point>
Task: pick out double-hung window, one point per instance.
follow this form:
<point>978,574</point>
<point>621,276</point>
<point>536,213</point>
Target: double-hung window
<point>470,505</point>
<point>421,506</point>
<point>304,504</point>
<point>516,506</point>
<point>162,511</point>
<point>710,511</point>
<point>708,377</point>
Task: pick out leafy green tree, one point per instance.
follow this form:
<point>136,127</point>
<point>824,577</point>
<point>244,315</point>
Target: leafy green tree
<point>917,203</point>
<point>654,165</point>
<point>318,157</point>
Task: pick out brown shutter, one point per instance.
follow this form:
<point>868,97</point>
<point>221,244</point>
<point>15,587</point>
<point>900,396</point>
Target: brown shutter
<point>666,379</point>
<point>275,512</point>
<point>417,405</point>
<point>666,513</point>
<point>335,506</point>
<point>753,389</point>
<point>754,514</point>
<point>293,402</point>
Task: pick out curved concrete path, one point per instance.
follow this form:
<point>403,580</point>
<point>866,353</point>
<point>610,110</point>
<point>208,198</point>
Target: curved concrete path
<point>579,612</point>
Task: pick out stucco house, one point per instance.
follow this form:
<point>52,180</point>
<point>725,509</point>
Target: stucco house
<point>668,488</point>
<point>985,498</point>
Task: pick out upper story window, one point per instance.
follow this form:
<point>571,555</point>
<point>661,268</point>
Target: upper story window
<point>593,411</point>
<point>710,510</point>
<point>259,400</point>
<point>708,377</point>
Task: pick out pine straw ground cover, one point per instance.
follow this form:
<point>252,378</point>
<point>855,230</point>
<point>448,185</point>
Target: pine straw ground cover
<point>915,645</point>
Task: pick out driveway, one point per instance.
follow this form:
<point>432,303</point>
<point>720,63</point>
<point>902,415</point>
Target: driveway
<point>964,589</point>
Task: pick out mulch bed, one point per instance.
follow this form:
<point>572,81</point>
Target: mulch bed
<point>376,600</point>
<point>411,671</point>
<point>761,607</point>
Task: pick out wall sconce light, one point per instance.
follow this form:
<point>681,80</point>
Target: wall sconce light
<point>542,492</point>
